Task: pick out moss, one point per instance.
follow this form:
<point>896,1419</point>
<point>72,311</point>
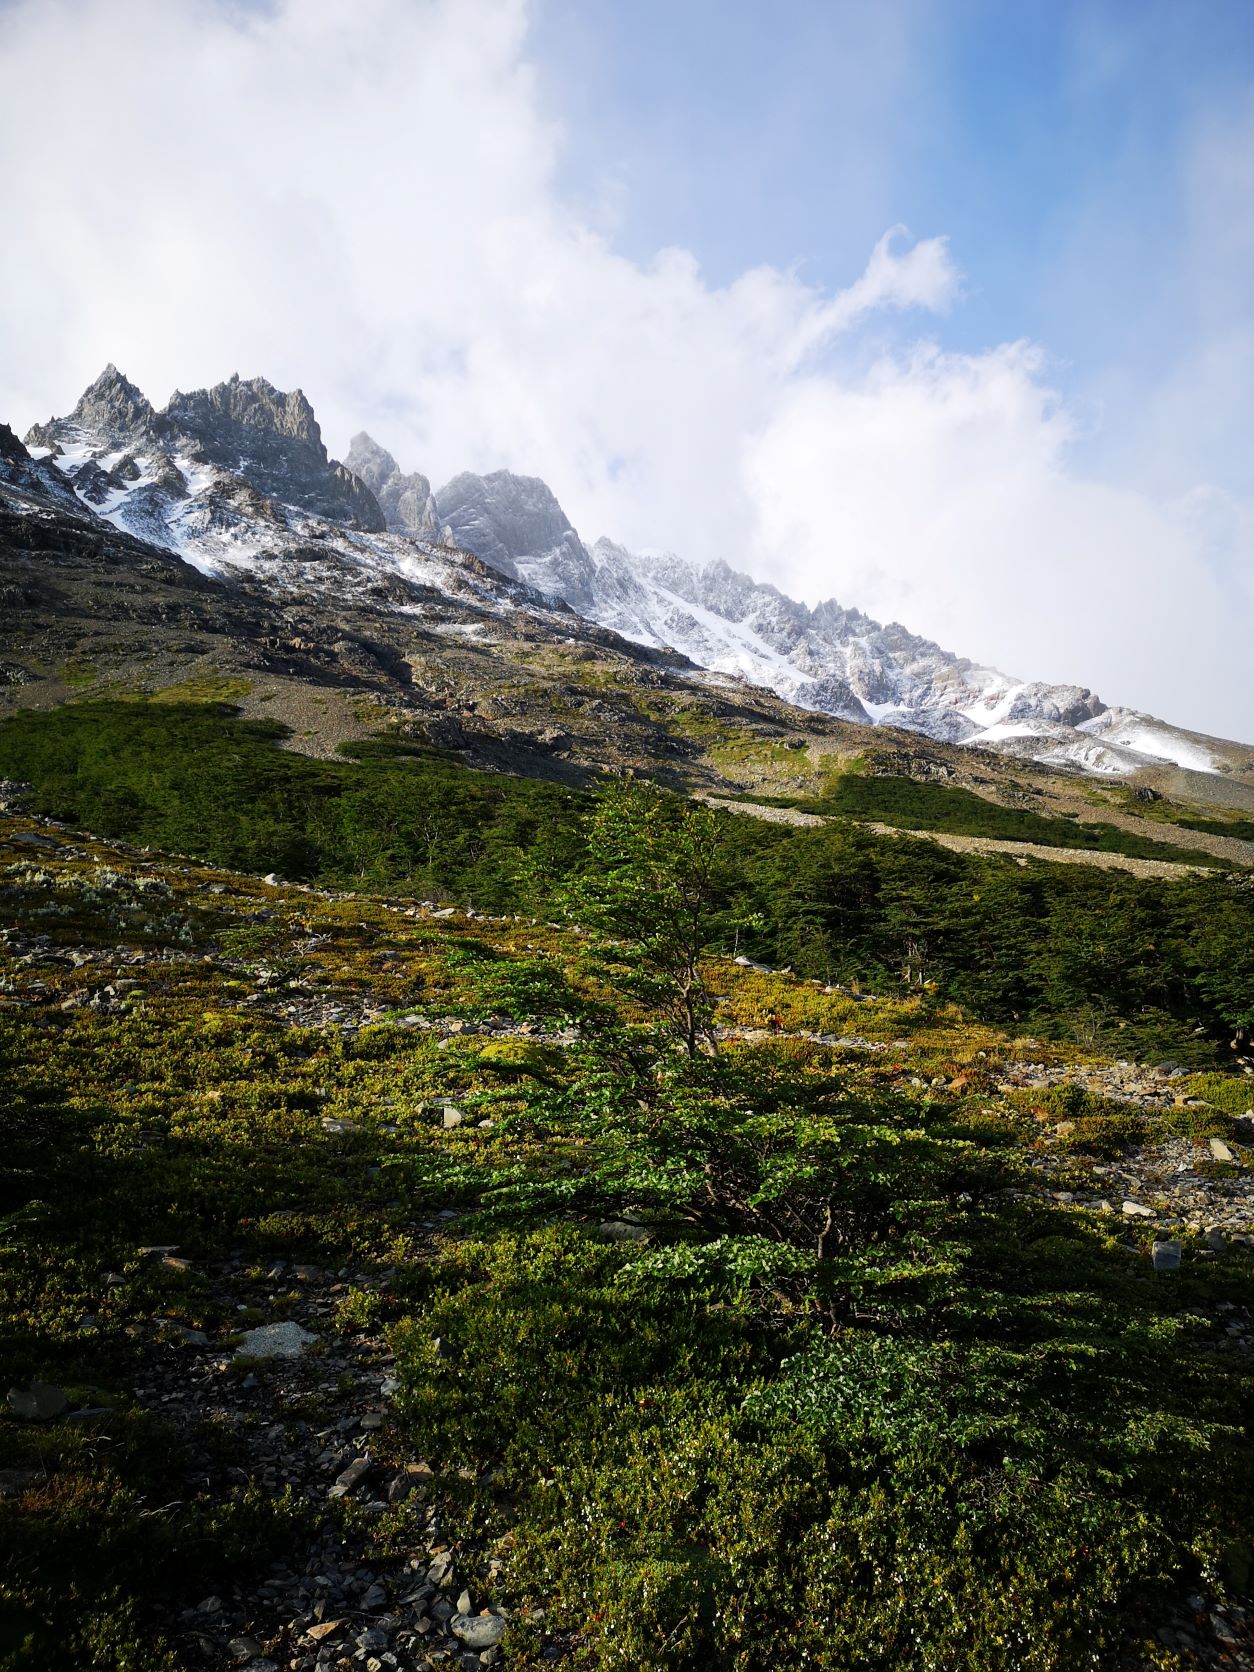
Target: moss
<point>205,687</point>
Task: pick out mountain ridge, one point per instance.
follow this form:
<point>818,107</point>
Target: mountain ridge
<point>237,477</point>
<point>830,658</point>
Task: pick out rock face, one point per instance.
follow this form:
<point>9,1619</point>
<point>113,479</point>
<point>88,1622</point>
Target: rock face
<point>39,477</point>
<point>406,501</point>
<point>503,517</point>
<point>267,440</point>
<point>272,439</point>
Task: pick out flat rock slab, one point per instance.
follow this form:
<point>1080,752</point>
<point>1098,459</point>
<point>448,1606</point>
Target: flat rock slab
<point>38,1402</point>
<point>286,1340</point>
<point>349,1478</point>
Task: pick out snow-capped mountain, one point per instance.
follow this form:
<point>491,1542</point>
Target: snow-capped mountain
<point>235,481</point>
<point>237,478</point>
<point>831,659</point>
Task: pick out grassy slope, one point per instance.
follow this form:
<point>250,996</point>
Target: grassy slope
<point>973,1435</point>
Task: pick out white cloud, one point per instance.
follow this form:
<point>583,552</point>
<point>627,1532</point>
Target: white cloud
<point>361,199</point>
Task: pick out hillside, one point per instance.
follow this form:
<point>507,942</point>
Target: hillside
<point>566,1380</point>
<point>236,480</point>
<point>526,1149</point>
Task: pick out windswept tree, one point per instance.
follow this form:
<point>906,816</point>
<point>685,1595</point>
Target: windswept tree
<point>653,887</point>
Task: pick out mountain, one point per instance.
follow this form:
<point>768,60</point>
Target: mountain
<point>131,563</point>
<point>406,501</point>
<point>236,481</point>
<point>202,471</point>
<point>831,659</point>
<point>505,518</point>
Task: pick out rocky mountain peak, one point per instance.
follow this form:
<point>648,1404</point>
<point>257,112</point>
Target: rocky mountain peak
<point>267,438</point>
<point>11,449</point>
<point>405,500</point>
<point>111,409</point>
<point>271,438</point>
<point>374,464</point>
<point>502,516</point>
<point>240,406</point>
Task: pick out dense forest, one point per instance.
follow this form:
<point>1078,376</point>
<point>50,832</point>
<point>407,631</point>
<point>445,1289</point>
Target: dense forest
<point>1143,967</point>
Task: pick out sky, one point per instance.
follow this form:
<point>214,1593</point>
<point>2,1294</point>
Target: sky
<point>943,308</point>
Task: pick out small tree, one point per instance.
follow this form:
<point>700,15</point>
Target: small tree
<point>652,889</point>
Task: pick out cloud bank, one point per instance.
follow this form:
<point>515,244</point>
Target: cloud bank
<point>362,199</point>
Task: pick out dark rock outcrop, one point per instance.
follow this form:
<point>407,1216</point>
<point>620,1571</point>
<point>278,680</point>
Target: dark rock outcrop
<point>272,439</point>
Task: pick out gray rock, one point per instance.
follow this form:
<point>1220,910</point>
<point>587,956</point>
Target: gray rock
<point>180,1332</point>
<point>1166,1256</point>
<point>355,1473</point>
<point>405,500</point>
<point>441,1570</point>
<point>285,1340</point>
<point>453,1117</point>
<point>1219,1150</point>
<point>37,1402</point>
<point>478,1631</point>
<point>622,1230</point>
<point>13,1482</point>
<point>1138,1210</point>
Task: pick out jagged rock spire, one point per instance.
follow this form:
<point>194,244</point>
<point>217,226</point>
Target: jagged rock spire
<point>406,500</point>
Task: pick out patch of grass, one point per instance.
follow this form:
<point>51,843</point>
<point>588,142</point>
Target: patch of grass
<point>206,688</point>
<point>950,1429</point>
<point>78,675</point>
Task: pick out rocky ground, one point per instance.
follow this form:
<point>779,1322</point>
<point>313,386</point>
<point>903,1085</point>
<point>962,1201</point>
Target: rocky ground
<point>309,1407</point>
<point>293,1391</point>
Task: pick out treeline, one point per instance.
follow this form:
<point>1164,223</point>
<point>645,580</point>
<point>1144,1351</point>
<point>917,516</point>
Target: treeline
<point>1127,963</point>
<point>914,804</point>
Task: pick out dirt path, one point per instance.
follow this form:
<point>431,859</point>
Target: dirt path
<point>1175,835</point>
<point>1023,851</point>
<point>757,810</point>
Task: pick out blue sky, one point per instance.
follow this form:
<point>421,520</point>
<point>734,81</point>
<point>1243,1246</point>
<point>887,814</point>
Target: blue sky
<point>1046,139</point>
<point>653,252</point>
